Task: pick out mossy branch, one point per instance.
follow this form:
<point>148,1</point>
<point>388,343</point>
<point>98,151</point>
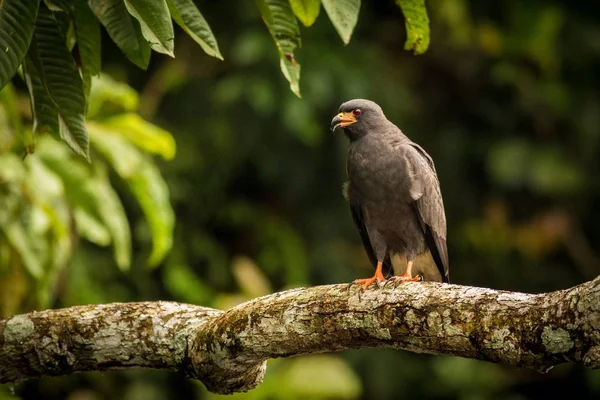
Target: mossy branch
<point>227,351</point>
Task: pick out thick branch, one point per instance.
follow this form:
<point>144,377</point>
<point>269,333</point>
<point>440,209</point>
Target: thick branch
<point>227,351</point>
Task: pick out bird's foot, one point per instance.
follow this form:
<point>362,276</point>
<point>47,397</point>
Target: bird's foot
<point>398,280</point>
<point>365,283</point>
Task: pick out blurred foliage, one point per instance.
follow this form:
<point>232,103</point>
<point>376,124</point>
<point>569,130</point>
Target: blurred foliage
<point>51,199</point>
<point>505,100</point>
<point>57,46</point>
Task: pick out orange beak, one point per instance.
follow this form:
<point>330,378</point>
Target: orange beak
<point>342,120</point>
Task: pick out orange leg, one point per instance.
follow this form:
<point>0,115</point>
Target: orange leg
<point>368,281</point>
<point>407,277</point>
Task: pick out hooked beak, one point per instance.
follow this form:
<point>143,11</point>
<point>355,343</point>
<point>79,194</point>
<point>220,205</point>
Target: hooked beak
<point>342,120</point>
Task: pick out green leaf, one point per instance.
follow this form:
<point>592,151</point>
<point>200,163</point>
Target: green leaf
<point>59,5</point>
<point>417,25</point>
<point>188,17</point>
<point>145,182</point>
<point>89,188</point>
<point>87,33</point>
<point>307,11</point>
<point>108,94</point>
<point>45,118</point>
<point>91,228</point>
<point>155,20</point>
<point>343,14</point>
<point>112,214</point>
<point>60,77</point>
<point>17,236</point>
<point>51,216</point>
<point>283,27</point>
<point>17,21</point>
<point>123,29</point>
<point>142,133</point>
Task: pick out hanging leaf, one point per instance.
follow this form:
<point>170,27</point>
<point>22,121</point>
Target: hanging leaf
<point>417,25</point>
<point>307,11</point>
<point>283,27</point>
<point>60,78</point>
<point>143,134</point>
<point>112,214</point>
<point>343,14</point>
<point>45,118</point>
<point>123,29</point>
<point>90,189</point>
<point>155,20</point>
<point>17,21</point>
<point>145,182</point>
<point>188,17</point>
<point>87,33</point>
<point>91,228</point>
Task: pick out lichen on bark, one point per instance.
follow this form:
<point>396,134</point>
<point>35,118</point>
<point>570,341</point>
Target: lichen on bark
<point>227,350</point>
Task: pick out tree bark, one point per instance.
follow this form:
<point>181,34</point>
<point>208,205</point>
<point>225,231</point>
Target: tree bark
<point>228,350</point>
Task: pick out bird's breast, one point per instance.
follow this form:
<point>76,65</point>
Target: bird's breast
<point>377,175</point>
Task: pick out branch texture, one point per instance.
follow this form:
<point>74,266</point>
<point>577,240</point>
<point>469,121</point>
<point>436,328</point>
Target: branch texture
<point>227,351</point>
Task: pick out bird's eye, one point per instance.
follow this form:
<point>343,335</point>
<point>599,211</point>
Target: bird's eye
<point>356,112</point>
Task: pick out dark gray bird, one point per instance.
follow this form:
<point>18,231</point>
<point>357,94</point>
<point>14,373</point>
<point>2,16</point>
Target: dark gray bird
<point>394,196</point>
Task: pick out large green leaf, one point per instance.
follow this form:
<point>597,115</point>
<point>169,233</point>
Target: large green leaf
<point>60,77</point>
<point>17,21</point>
<point>283,27</point>
<point>50,217</point>
<point>155,20</point>
<point>45,118</point>
<point>307,11</point>
<point>87,33</point>
<point>88,187</point>
<point>145,182</point>
<point>142,133</point>
<point>112,214</point>
<point>188,17</point>
<point>123,29</point>
<point>417,25</point>
<point>343,14</point>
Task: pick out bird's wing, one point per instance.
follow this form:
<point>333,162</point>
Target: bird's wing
<point>359,221</point>
<point>429,206</point>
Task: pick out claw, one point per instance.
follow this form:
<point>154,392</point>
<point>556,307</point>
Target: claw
<point>349,287</point>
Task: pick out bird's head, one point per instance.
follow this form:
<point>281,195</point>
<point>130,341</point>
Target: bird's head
<point>358,117</point>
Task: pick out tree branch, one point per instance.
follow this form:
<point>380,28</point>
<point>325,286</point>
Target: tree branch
<point>227,351</point>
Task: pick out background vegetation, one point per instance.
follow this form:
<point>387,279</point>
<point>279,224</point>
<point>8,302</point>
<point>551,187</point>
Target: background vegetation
<point>212,182</point>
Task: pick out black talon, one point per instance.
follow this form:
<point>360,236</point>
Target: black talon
<point>349,287</point>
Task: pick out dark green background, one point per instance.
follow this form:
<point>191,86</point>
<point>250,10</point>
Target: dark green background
<point>505,100</point>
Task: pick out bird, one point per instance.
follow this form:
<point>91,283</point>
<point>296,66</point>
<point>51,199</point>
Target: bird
<point>394,196</point>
